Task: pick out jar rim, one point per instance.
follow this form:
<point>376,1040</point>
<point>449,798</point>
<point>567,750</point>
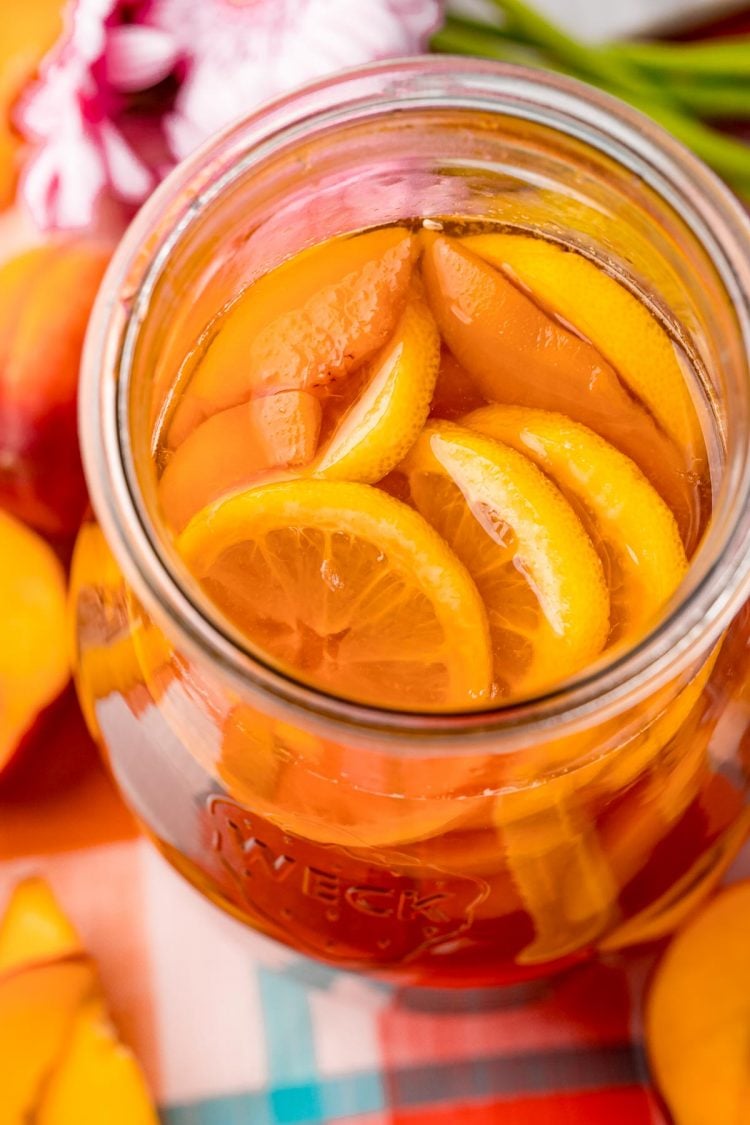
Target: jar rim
<point>712,592</point>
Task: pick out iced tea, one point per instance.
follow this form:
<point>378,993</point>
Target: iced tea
<point>437,469</point>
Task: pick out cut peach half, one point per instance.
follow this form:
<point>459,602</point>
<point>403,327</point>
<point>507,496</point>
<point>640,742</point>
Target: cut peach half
<point>697,1017</point>
<point>305,324</point>
<point>347,588</point>
<point>539,576</point>
<point>635,532</point>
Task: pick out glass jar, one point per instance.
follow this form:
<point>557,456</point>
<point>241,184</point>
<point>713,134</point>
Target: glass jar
<point>439,850</point>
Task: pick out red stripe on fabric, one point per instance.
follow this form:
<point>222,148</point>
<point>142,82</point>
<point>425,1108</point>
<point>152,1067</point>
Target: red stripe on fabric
<point>588,1007</point>
<point>629,1106</point>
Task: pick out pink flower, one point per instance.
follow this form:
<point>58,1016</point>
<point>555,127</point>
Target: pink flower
<point>71,119</point>
<point>89,130</point>
<point>243,52</point>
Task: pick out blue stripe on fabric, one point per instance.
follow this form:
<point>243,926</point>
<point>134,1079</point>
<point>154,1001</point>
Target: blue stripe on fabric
<point>306,1104</point>
<point>234,1109</point>
<point>287,1024</point>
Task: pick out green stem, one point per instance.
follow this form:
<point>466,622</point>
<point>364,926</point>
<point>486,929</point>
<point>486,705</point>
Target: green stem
<point>462,38</point>
<point>524,22</point>
<point>529,38</point>
<point>719,58</point>
<point>727,156</point>
<point>712,99</point>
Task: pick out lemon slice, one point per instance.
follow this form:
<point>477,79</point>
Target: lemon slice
<point>347,587</point>
<point>386,419</point>
<point>635,531</point>
<point>534,565</point>
<point>612,318</point>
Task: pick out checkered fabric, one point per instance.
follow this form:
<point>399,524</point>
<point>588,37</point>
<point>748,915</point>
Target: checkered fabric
<point>231,1033</point>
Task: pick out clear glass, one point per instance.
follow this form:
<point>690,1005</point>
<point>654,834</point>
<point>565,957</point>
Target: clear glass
<point>467,849</point>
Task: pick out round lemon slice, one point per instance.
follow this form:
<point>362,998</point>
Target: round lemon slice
<point>348,588</point>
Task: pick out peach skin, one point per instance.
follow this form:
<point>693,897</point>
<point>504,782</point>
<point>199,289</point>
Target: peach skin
<point>34,665</point>
<point>46,295</point>
<point>698,1015</point>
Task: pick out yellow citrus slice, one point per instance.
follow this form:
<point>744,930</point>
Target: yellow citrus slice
<point>534,565</point>
<point>348,587</point>
<point>616,322</point>
<point>378,429</point>
<point>636,533</point>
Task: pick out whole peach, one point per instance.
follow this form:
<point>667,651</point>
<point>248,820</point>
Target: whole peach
<point>46,294</point>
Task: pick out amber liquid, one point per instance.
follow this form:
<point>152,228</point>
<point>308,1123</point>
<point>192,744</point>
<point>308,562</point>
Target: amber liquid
<point>462,870</point>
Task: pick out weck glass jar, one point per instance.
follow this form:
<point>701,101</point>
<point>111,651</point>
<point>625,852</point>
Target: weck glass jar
<point>463,849</point>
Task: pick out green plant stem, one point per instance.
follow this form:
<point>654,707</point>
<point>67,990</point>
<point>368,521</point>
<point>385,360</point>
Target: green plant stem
<point>727,156</point>
<point>730,158</point>
<point>723,59</point>
<point>524,22</point>
<point>712,99</point>
<point>462,37</point>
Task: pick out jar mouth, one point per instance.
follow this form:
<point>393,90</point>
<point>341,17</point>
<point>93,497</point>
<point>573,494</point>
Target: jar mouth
<point>719,576</point>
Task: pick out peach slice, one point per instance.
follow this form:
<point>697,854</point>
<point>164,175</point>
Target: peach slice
<point>61,1062</point>
<point>34,665</point>
<point>578,291</point>
<point>97,1079</point>
<point>303,325</point>
<point>518,355</point>
<point>236,446</point>
<point>698,1015</point>
<point>46,296</point>
<point>34,928</point>
<point>38,1005</point>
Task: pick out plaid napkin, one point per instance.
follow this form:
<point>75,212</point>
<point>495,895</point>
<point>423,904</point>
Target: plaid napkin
<point>233,1031</point>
